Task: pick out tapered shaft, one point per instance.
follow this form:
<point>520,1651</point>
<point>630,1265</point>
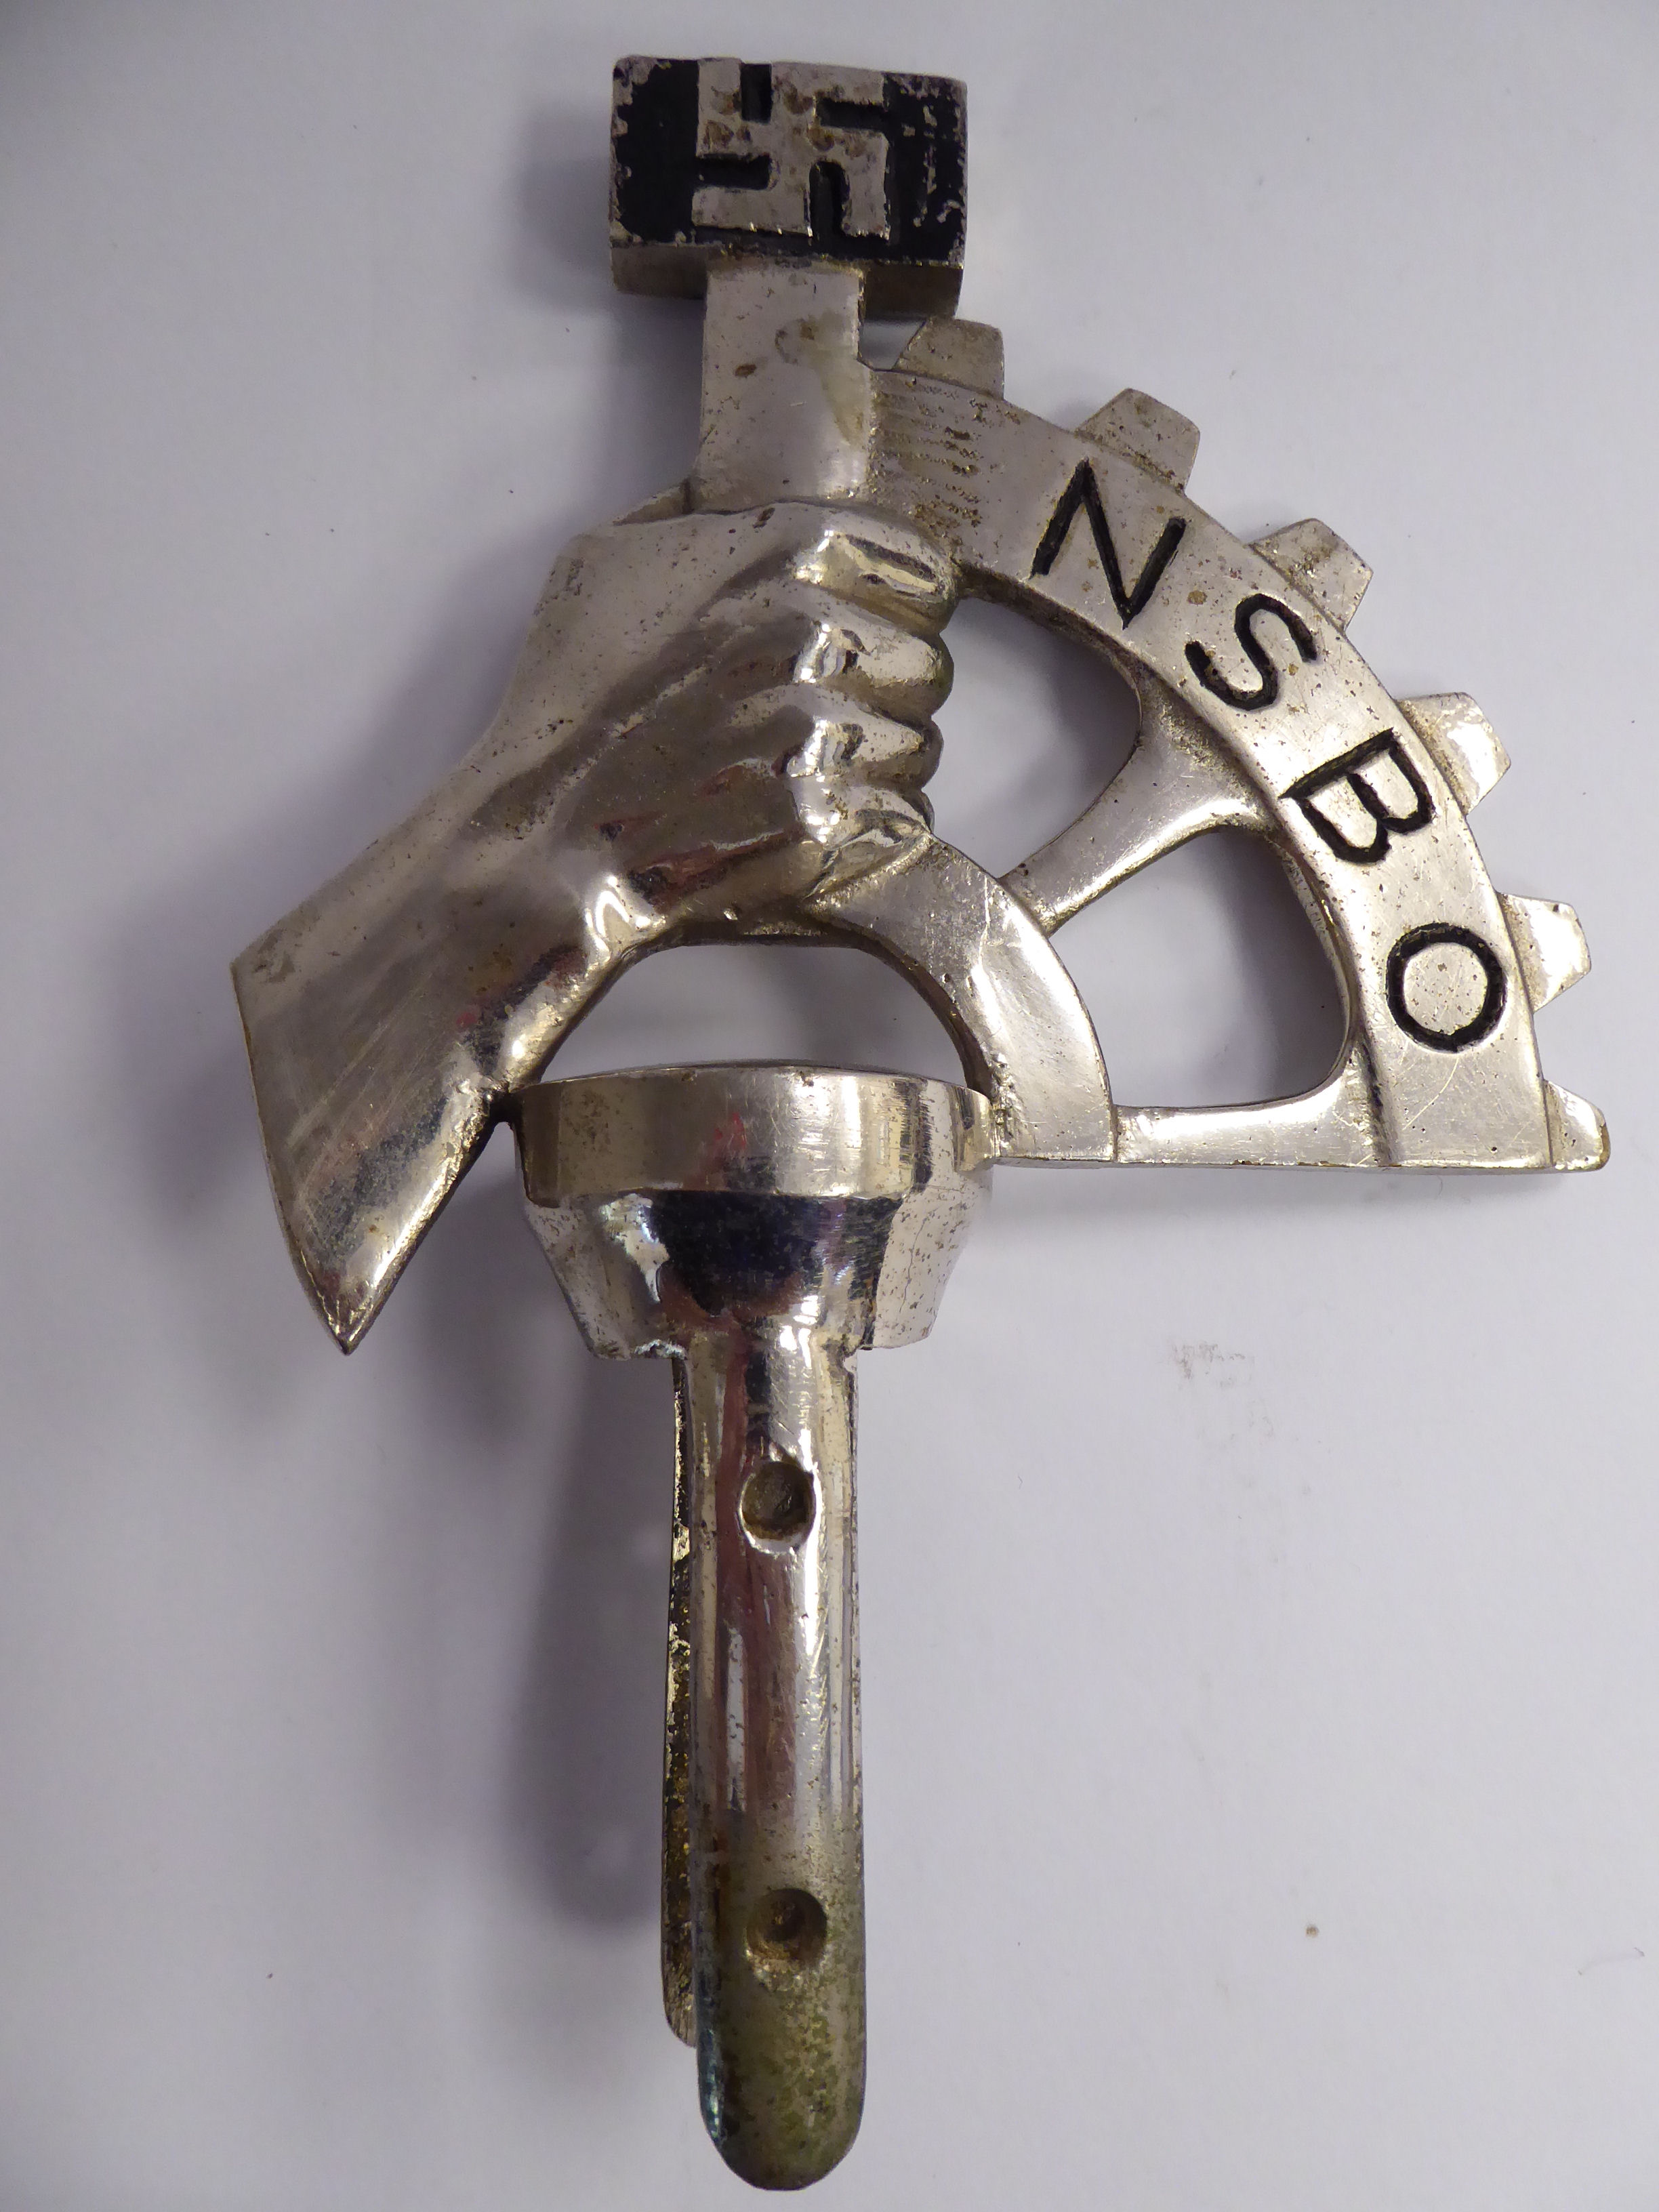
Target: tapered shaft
<point>759,1225</point>
<point>777,1857</point>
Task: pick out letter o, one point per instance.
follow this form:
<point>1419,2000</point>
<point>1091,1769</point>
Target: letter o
<point>1482,1023</point>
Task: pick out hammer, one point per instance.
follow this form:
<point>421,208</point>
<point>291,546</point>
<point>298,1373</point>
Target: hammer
<point>718,728</point>
<point>811,1213</point>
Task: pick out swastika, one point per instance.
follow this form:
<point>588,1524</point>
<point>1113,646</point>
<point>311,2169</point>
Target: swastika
<point>791,161</point>
<point>764,132</point>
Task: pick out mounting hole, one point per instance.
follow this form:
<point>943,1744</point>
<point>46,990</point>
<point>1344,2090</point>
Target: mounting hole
<point>787,1931</point>
<point>778,1504</point>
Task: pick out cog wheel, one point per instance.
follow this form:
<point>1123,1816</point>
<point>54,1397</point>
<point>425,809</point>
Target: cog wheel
<point>1256,712</point>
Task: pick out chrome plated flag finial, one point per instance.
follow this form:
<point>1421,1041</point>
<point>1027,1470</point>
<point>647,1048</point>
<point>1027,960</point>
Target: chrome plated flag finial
<point>719,729</point>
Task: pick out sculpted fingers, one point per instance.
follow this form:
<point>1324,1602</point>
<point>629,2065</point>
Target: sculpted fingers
<point>779,730</point>
<point>802,633</point>
<point>844,741</point>
<point>797,750</point>
<point>870,559</point>
<point>879,563</point>
<point>777,789</point>
<point>844,597</point>
<point>825,667</point>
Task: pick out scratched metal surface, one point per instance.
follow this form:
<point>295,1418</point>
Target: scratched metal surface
<point>332,1707</point>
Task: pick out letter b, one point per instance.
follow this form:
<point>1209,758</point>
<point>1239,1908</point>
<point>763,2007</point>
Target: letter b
<point>1375,776</point>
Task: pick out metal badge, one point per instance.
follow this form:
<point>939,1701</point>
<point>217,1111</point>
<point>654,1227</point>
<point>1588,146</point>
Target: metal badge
<point>719,729</point>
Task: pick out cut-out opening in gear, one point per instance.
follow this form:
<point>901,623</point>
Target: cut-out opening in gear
<point>832,1006</point>
<point>1035,726</point>
<point>1208,984</point>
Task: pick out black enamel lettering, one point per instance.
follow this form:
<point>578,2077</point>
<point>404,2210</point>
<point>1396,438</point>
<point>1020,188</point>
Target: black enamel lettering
<point>1083,492</point>
<point>1364,774</point>
<point>1419,944</point>
<point>1244,620</point>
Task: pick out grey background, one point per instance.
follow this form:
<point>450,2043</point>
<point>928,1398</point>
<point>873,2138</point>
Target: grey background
<point>1243,1556</point>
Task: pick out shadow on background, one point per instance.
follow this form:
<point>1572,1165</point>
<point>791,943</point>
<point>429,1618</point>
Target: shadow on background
<point>187,1101</point>
<point>582,1791</point>
<point>585,1788</point>
<point>506,1371</point>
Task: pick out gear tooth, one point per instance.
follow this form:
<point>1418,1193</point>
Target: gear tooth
<point>1148,432</point>
<point>957,353</point>
<point>1310,555</point>
<point>1469,750</point>
<point>1549,945</point>
<point>1578,1135</point>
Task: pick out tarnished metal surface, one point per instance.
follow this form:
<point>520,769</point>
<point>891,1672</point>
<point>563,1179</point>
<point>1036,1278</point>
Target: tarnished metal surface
<point>760,1225</point>
<point>1256,711</point>
<point>795,159</point>
<point>678,1997</point>
<point>720,727</point>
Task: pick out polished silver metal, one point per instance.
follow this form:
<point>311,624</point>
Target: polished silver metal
<point>760,1225</point>
<point>720,728</point>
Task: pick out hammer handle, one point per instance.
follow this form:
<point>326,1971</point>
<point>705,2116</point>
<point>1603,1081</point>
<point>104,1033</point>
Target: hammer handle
<point>774,1861</point>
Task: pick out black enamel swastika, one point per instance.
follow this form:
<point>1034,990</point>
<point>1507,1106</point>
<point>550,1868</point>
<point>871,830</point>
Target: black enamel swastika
<point>658,172</point>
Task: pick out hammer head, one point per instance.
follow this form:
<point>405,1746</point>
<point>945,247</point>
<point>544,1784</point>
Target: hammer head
<point>794,161</point>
